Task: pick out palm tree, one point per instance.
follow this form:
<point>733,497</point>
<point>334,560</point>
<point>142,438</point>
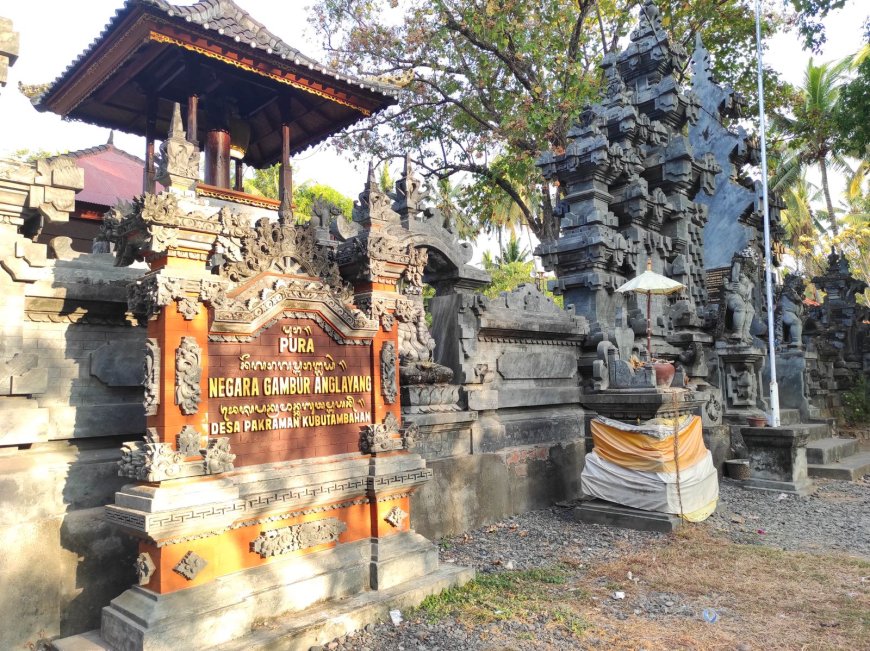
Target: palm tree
<point>811,130</point>
<point>802,224</point>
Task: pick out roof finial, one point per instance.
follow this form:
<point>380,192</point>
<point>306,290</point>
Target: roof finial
<point>176,128</point>
<point>111,140</point>
<point>371,180</point>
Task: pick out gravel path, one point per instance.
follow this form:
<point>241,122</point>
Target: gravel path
<point>836,517</point>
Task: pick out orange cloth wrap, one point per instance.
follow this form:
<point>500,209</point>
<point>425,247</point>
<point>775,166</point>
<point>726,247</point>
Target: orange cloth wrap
<point>641,452</point>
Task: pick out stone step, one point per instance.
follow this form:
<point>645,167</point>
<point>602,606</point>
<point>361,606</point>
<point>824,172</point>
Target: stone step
<point>848,469</point>
<point>789,417</point>
<point>816,431</point>
<point>830,450</point>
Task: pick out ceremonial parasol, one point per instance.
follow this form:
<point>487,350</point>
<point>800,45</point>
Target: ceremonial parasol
<point>649,283</point>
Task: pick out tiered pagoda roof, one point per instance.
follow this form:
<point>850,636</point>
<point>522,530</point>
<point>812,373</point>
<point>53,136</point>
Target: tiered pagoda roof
<point>154,51</point>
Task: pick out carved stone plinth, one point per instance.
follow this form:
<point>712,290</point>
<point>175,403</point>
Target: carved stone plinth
<point>631,405</point>
<point>777,459</point>
<point>740,369</point>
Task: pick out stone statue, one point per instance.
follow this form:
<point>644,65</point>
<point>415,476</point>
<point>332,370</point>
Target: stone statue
<point>791,307</point>
<point>416,347</point>
<point>738,299</point>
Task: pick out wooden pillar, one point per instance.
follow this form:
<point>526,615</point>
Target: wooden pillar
<point>285,180</point>
<point>217,158</point>
<point>240,172</point>
<point>148,183</point>
<point>192,107</point>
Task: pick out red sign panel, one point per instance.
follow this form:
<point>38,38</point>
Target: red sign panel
<point>292,393</point>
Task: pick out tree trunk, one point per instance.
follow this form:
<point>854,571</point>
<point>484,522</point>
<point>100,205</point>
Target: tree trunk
<point>824,169</point>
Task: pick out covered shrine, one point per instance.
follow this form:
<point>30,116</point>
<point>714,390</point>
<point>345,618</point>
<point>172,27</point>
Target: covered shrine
<point>248,97</point>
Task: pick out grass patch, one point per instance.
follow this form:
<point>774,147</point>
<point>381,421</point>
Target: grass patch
<point>766,598</point>
<point>497,597</point>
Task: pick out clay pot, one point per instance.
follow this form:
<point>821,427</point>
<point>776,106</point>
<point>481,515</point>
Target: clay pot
<point>756,421</point>
<point>664,374</point>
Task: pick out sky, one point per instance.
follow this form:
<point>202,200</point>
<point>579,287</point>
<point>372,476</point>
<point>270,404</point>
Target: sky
<point>55,32</point>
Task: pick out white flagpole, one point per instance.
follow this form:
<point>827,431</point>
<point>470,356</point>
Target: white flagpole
<point>773,417</point>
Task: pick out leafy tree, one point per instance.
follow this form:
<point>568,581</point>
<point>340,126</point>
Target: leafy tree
<point>810,131</point>
<point>385,181</point>
<point>803,227</point>
<point>32,155</point>
<point>304,196</point>
<point>265,182</point>
<point>809,20</point>
<point>507,277</point>
<point>852,111</point>
<point>502,80</point>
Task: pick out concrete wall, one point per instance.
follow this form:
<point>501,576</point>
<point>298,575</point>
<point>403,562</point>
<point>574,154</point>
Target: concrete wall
<point>519,442</point>
<point>70,394</point>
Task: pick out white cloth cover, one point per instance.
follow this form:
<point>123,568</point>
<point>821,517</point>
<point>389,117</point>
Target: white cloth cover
<point>651,491</point>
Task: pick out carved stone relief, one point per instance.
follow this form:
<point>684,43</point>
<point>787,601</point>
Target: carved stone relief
<point>188,441</point>
<point>188,373</point>
<point>297,537</point>
<point>149,460</point>
<point>144,568</point>
<point>151,381</point>
<point>188,308</point>
<point>396,517</point>
<point>388,372</point>
<point>386,436</point>
<point>217,457</point>
<point>190,565</point>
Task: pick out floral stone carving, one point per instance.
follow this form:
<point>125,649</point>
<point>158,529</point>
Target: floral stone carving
<point>149,460</point>
<point>191,565</point>
<point>388,372</point>
<point>151,381</point>
<point>188,441</point>
<point>396,517</point>
<point>144,568</point>
<point>217,457</point>
<point>386,436</point>
<point>297,537</point>
<point>188,373</point>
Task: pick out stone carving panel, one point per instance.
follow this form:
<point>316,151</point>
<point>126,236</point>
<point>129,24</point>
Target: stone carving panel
<point>297,537</point>
<point>151,382</point>
<point>144,568</point>
<point>190,565</point>
<point>188,441</point>
<point>395,517</point>
<point>388,372</point>
<point>188,374</point>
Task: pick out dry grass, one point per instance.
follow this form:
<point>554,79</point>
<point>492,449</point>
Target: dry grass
<point>766,598</point>
<point>769,599</point>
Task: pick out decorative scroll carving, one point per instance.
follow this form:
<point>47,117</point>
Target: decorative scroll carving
<point>190,565</point>
<point>188,308</point>
<point>144,568</point>
<point>188,441</point>
<point>297,537</point>
<point>151,381</point>
<point>395,517</point>
<point>287,249</point>
<point>386,436</point>
<point>388,372</point>
<point>217,457</point>
<point>146,297</point>
<point>413,274</point>
<point>188,372</point>
<point>149,460</point>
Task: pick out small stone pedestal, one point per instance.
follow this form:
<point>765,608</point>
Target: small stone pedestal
<point>777,460</point>
<point>597,511</point>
